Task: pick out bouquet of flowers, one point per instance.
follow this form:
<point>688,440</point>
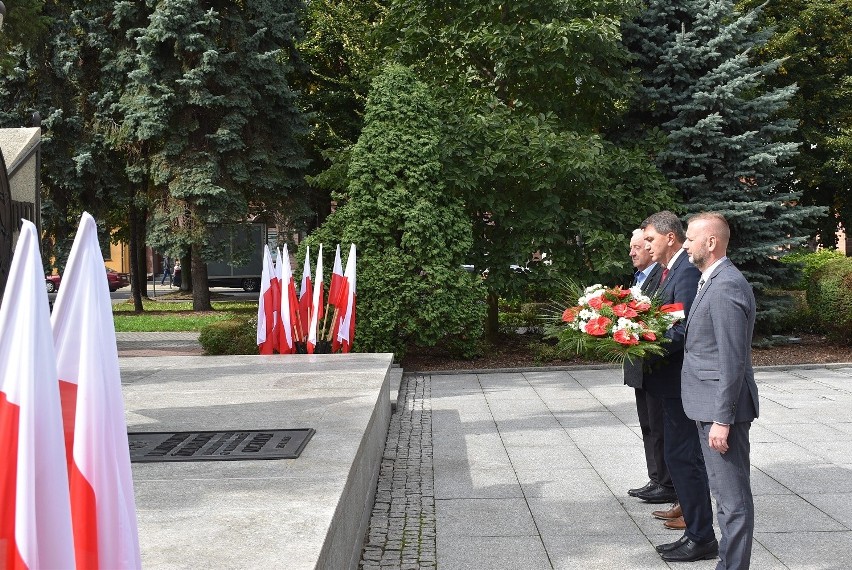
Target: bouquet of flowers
<point>614,323</point>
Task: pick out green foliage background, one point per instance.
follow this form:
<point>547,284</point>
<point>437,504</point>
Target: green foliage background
<point>411,233</point>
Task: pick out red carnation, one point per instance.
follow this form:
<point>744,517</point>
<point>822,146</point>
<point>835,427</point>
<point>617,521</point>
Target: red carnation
<point>598,326</point>
<point>625,338</point>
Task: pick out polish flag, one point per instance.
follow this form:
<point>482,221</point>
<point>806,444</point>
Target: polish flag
<point>306,293</point>
<point>35,507</point>
<point>103,508</point>
<point>316,305</point>
<point>266,305</point>
<point>287,301</point>
<point>346,330</point>
<point>336,293</point>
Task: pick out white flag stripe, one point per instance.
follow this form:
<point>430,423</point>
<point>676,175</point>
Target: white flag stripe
<point>349,274</point>
<point>317,299</point>
<point>86,355</point>
<point>42,508</point>
<point>265,284</point>
<point>285,274</point>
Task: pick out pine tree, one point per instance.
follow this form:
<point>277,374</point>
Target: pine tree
<point>727,147</point>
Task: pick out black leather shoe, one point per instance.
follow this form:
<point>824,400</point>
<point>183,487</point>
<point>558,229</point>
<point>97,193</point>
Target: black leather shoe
<point>690,551</point>
<point>658,494</point>
<point>668,547</point>
<point>648,486</point>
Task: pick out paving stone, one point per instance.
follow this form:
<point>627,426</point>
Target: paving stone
<point>402,526</point>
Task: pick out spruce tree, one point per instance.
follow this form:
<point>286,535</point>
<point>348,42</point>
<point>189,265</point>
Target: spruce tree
<point>210,100</point>
<point>727,147</point>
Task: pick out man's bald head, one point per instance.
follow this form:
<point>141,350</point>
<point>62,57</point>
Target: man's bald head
<point>707,238</point>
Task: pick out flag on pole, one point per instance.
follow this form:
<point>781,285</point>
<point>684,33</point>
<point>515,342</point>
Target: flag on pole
<point>287,300</point>
<point>336,289</point>
<point>316,305</point>
<point>306,294</point>
<point>346,330</point>
<point>35,507</point>
<point>266,305</point>
<point>103,508</point>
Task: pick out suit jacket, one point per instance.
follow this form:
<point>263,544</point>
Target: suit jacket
<point>718,379</point>
<point>662,373</point>
<point>633,375</point>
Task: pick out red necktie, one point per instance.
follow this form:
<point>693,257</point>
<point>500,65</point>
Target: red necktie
<point>665,274</point>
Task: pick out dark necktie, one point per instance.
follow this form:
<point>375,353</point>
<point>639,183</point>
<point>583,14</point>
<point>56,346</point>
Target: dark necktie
<point>700,285</point>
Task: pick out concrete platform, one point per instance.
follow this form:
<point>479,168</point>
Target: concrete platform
<point>305,513</point>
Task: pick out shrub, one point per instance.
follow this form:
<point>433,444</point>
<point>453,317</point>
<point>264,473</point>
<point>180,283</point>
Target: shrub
<point>830,298</point>
<point>412,234</point>
<point>808,262</point>
<point>236,336</point>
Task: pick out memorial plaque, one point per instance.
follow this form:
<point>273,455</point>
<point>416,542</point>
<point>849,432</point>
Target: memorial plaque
<point>236,445</point>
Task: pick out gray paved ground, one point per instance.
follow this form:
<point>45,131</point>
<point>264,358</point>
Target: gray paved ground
<point>530,470</point>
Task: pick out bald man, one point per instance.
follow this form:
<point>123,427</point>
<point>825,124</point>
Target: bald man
<point>717,382</point>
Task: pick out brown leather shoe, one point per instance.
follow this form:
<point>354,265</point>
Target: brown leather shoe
<point>673,513</point>
<point>675,524</point>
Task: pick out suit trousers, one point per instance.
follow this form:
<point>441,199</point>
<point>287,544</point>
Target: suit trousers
<point>650,411</point>
<point>686,466</point>
<point>730,481</point>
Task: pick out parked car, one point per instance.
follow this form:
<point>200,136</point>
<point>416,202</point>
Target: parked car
<point>115,280</point>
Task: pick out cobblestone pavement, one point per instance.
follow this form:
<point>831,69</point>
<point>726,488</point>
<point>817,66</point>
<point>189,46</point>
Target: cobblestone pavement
<point>402,525</point>
<point>158,344</point>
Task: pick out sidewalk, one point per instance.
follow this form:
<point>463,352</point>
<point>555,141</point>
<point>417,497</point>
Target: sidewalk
<point>529,470</point>
<point>158,344</point>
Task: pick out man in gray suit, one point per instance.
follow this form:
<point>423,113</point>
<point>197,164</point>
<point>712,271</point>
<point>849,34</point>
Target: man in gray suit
<point>718,388</point>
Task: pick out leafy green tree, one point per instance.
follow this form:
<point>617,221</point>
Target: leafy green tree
<point>526,89</point>
<point>412,235</point>
<point>812,40</point>
<point>341,51</point>
<point>728,147</point>
<point>210,97</point>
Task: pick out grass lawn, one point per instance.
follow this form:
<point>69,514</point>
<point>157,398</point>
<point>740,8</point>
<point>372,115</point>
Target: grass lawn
<point>177,316</point>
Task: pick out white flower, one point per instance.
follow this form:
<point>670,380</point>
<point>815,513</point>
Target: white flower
<point>594,288</point>
<point>624,323</point>
<point>588,314</point>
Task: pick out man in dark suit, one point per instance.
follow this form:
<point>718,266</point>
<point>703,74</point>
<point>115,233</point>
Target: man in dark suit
<point>659,487</point>
<point>664,237</point>
<point>718,390</point>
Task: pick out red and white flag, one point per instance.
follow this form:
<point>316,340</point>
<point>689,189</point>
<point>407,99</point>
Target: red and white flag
<point>346,330</point>
<point>266,305</point>
<point>288,301</point>
<point>336,290</point>
<point>316,305</point>
<point>306,294</point>
<point>35,508</point>
<point>103,508</point>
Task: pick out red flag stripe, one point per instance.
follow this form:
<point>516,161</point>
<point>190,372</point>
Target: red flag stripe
<point>84,511</point>
<point>9,417</point>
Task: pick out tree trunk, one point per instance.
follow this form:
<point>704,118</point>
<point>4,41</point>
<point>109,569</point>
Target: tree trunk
<point>138,272</point>
<point>200,290</point>
<point>492,322</point>
<point>186,273</point>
